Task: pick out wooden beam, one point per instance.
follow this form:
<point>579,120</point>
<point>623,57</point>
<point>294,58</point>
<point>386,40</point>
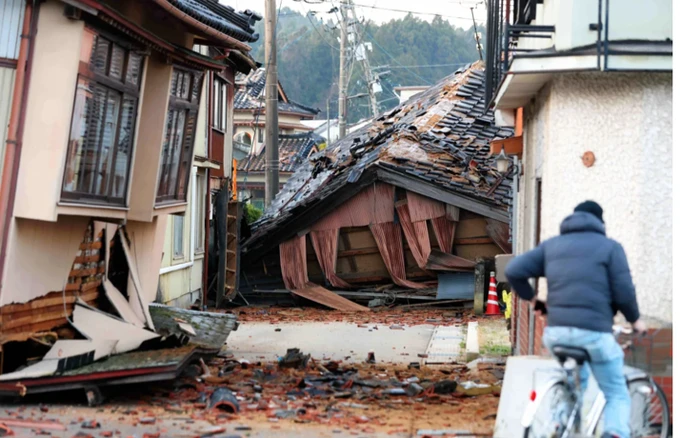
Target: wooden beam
<point>352,261</point>
<point>452,213</point>
<point>357,252</point>
<point>473,241</point>
<point>424,188</point>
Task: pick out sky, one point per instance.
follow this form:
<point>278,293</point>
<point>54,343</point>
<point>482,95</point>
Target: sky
<point>381,11</point>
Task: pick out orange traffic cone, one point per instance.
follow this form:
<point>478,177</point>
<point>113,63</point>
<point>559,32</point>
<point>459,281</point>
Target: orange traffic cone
<point>492,307</point>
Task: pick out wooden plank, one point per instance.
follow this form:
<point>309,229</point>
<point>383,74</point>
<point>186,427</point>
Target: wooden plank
<point>441,261</point>
<point>51,299</point>
<point>87,259</point>
<point>500,234</point>
<point>87,272</point>
<point>351,260</point>
<point>91,245</point>
<point>452,213</point>
<point>53,313</point>
<point>37,327</point>
<point>473,241</point>
<point>357,252</point>
<point>474,252</point>
<point>432,191</point>
<point>323,296</point>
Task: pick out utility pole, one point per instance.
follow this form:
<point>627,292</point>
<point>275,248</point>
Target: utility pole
<point>342,81</point>
<point>328,121</point>
<point>271,182</point>
<point>365,64</point>
<point>474,23</point>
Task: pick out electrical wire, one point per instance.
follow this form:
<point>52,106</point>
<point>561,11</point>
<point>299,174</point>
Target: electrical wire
<point>395,59</point>
<point>406,11</point>
<point>456,64</point>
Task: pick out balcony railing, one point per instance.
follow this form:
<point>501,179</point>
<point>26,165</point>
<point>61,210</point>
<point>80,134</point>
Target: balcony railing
<point>508,21</point>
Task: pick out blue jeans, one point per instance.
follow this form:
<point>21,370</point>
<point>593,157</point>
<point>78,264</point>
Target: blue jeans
<point>606,362</point>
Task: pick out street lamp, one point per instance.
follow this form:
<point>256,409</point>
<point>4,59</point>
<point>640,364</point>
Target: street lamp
<point>510,167</point>
<point>502,161</point>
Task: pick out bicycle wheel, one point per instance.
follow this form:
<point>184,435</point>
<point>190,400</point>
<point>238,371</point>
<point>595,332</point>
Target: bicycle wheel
<point>650,415</point>
<point>552,415</point>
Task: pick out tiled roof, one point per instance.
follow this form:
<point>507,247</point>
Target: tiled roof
<point>250,95</point>
<point>224,18</point>
<point>293,150</point>
<point>439,138</point>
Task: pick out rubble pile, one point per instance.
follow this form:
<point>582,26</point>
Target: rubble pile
<point>301,389</point>
<point>384,316</point>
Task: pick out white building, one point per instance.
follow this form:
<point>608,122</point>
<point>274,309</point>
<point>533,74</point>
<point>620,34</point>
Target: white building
<point>591,102</point>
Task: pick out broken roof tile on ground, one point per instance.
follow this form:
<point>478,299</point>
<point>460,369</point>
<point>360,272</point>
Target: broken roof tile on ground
<point>437,143</point>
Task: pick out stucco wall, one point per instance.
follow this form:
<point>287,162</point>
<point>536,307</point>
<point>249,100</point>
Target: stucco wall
<point>625,119</point>
<point>49,107</point>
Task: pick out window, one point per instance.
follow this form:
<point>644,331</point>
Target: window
<point>178,237</point>
<point>199,226</point>
<point>103,122</point>
<point>219,114</point>
<point>176,158</point>
<point>260,139</point>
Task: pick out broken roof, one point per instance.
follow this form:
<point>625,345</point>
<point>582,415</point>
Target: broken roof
<point>224,18</point>
<point>294,150</point>
<point>250,95</point>
<point>436,144</point>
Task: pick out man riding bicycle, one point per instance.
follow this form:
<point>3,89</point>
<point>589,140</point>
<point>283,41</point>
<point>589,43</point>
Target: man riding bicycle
<point>589,281</point>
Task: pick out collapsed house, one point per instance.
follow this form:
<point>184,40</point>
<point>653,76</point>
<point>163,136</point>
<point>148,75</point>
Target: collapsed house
<point>410,204</point>
<point>105,109</point>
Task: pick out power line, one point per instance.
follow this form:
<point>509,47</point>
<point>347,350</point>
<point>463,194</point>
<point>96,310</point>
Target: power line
<point>395,59</point>
<point>434,14</point>
<point>457,64</point>
<point>321,35</point>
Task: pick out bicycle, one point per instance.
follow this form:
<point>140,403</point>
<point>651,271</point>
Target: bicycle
<point>555,410</point>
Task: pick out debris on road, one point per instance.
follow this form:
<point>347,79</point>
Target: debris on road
<point>294,359</point>
<point>224,399</point>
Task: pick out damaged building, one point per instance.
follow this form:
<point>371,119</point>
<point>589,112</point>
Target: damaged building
<point>409,205</point>
<point>105,99</point>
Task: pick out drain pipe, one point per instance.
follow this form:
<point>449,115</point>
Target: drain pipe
<point>10,165</point>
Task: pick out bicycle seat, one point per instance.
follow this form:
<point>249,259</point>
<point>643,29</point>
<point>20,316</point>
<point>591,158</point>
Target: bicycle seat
<point>564,352</point>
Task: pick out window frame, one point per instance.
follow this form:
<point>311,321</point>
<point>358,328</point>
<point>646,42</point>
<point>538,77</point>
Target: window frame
<point>189,107</point>
<point>176,219</point>
<point>219,104</point>
<point>123,90</point>
<point>200,184</point>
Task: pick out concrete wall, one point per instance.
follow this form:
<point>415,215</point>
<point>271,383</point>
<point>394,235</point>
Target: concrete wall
<point>626,121</point>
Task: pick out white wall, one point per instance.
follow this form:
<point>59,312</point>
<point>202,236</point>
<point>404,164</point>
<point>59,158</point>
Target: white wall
<point>625,119</point>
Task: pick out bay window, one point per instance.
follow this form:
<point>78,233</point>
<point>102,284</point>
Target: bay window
<point>103,122</point>
<point>177,153</point>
